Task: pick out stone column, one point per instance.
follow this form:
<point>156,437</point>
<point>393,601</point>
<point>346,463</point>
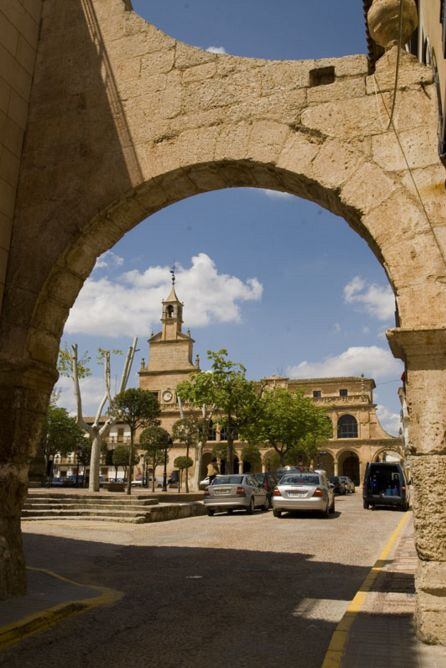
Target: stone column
<point>335,466</point>
<point>424,353</point>
<point>24,395</point>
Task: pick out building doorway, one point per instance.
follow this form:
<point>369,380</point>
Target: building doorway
<point>348,465</point>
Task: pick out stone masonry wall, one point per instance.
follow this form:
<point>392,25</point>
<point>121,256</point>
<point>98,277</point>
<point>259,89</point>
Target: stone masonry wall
<point>19,30</point>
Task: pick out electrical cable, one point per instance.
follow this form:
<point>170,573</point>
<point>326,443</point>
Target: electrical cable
<point>391,125</point>
<point>397,69</point>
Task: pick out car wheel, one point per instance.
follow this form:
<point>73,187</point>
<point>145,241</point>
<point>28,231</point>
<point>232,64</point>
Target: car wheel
<point>277,513</point>
<point>210,511</point>
<point>250,509</point>
<point>332,508</point>
<point>365,505</point>
<point>230,511</point>
<point>265,507</point>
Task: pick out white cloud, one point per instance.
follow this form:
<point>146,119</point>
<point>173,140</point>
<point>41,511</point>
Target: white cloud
<point>372,361</point>
<point>216,49</point>
<point>377,300</point>
<point>108,259</point>
<point>92,391</point>
<point>390,421</point>
<point>130,304</point>
<point>276,194</point>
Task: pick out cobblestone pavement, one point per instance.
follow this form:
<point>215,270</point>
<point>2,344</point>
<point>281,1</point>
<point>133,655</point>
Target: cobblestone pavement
<point>382,635</point>
<point>206,591</point>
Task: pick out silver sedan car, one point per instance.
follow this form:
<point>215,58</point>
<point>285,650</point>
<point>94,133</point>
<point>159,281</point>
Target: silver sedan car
<point>303,491</point>
<point>235,492</point>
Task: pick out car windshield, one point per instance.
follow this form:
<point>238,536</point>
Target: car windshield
<point>228,480</point>
<point>301,479</point>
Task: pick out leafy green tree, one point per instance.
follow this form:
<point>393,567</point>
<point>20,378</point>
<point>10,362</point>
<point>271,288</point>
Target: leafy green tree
<point>83,456</point>
<point>271,460</point>
<point>136,408</point>
<point>226,391</point>
<point>120,457</point>
<point>306,450</point>
<point>61,435</point>
<point>182,463</point>
<point>154,440</point>
<point>285,420</point>
<point>251,455</point>
<point>187,430</point>
<point>219,451</point>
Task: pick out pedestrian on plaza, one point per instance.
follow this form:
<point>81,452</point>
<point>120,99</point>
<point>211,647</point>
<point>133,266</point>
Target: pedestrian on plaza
<point>212,470</point>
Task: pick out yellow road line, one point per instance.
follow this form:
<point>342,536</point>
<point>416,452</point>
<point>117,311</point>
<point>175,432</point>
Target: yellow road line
<point>334,654</point>
<point>44,619</point>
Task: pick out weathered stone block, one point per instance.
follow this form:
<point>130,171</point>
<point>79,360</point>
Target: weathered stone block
<point>412,73</point>
<point>200,72</point>
<point>266,140</point>
<point>430,617</point>
<point>339,90</point>
<point>419,148</point>
<point>429,477</point>
<point>356,191</point>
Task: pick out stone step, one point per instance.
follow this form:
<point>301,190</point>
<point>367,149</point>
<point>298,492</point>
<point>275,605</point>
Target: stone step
<point>43,508</point>
<point>158,513</point>
<point>90,518</point>
<point>82,512</point>
<point>85,498</point>
<point>49,503</point>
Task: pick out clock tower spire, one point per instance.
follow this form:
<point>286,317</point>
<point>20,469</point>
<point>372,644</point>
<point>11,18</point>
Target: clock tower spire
<point>172,314</point>
<point>170,351</point>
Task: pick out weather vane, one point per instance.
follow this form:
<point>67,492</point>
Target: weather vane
<point>172,271</point>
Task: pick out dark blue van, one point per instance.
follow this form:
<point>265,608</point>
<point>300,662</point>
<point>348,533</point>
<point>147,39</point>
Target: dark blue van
<point>386,484</point>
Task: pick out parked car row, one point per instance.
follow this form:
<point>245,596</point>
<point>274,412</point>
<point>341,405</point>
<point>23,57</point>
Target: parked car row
<point>296,490</point>
<point>342,484</point>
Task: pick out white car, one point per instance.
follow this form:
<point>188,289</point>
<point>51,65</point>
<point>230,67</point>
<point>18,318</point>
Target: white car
<point>204,484</point>
<point>303,491</point>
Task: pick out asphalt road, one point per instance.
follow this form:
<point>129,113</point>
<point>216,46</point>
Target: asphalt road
<point>241,591</point>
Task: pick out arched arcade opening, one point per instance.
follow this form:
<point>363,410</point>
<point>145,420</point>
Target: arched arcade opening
<point>348,464</point>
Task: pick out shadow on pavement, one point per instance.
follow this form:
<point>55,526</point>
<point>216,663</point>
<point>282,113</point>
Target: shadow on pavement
<point>190,607</point>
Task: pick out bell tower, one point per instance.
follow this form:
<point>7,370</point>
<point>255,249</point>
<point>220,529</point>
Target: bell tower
<point>170,353</point>
<point>172,314</point>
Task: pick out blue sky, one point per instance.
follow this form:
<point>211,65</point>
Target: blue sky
<point>284,285</point>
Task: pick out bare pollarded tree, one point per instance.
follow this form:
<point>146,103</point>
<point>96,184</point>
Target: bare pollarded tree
<point>70,365</point>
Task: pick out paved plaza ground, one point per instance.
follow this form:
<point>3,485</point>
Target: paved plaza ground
<point>218,591</point>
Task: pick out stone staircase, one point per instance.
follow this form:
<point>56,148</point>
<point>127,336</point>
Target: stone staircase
<point>94,507</point>
<point>135,509</point>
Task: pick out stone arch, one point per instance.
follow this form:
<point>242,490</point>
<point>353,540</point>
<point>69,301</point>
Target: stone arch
<point>206,459</point>
<point>142,121</point>
<point>349,464</point>
<point>395,449</point>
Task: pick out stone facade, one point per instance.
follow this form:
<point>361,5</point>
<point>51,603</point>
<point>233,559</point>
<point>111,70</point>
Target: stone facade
<point>131,120</point>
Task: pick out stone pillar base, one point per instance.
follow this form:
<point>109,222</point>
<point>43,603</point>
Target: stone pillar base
<point>12,561</point>
<point>431,602</point>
